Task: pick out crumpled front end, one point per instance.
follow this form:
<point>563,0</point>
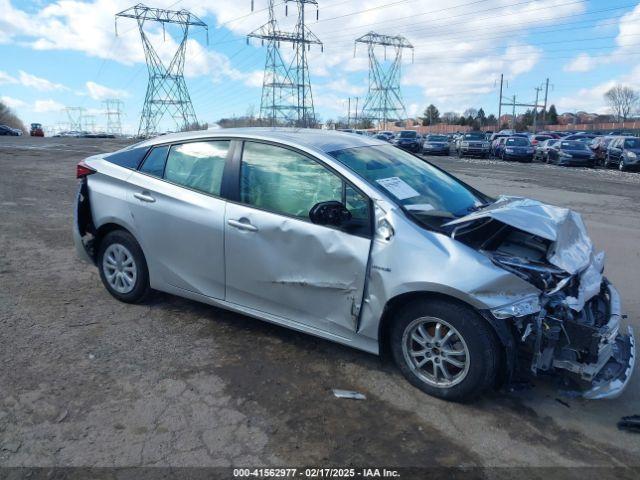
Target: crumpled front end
<point>573,327</point>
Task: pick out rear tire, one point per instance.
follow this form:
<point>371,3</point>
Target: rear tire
<point>122,266</point>
<point>463,345</point>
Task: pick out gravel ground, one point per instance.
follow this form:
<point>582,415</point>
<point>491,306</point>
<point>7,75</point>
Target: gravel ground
<point>87,380</point>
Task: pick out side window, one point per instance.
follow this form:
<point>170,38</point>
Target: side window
<point>154,163</point>
<point>283,181</point>
<point>198,165</point>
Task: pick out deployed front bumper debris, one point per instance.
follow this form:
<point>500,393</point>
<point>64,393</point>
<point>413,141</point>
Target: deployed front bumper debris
<point>574,329</point>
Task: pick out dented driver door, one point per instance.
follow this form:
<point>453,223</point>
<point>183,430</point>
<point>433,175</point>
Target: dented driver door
<point>280,263</point>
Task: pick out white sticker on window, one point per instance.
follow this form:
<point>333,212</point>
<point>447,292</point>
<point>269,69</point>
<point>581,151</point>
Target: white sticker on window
<point>398,188</point>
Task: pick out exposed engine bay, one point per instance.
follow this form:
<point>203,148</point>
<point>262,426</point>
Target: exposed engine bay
<point>573,327</point>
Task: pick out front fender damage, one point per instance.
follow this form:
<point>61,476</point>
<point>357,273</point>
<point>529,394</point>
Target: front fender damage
<point>574,330</point>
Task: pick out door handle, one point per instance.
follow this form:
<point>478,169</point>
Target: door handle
<point>243,224</point>
<point>145,197</point>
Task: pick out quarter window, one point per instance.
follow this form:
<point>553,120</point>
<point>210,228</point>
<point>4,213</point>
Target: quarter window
<point>154,163</point>
<point>198,165</point>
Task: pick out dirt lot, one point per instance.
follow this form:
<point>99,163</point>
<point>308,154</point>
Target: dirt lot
<point>87,380</point>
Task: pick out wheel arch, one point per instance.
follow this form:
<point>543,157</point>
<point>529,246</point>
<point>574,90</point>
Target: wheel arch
<point>500,328</point>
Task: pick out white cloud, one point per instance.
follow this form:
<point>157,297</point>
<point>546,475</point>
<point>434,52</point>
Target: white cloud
<point>456,56</point>
<point>12,102</point>
<point>592,99</point>
<point>6,78</point>
<point>100,92</point>
<point>38,83</point>
<point>45,106</point>
<point>582,63</point>
<point>626,42</point>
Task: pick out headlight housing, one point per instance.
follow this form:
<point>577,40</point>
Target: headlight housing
<point>485,144</point>
<point>525,306</point>
<point>631,154</point>
<point>465,144</point>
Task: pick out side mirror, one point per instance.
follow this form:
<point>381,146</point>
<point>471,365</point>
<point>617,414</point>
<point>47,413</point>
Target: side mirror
<point>329,213</point>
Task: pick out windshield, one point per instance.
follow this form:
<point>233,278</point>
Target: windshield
<point>436,138</point>
<point>632,143</point>
<point>474,136</point>
<point>408,134</point>
<point>416,185</point>
<point>517,142</point>
<point>573,145</point>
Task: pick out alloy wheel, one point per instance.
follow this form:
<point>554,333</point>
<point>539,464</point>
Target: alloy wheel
<point>435,352</point>
<point>119,267</point>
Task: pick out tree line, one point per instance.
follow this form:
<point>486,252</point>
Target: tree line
<point>9,118</point>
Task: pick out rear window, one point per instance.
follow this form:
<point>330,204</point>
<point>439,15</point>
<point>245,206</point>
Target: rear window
<point>517,141</point>
<point>573,145</point>
<point>129,158</point>
<point>408,134</point>
<point>474,136</point>
<point>436,138</point>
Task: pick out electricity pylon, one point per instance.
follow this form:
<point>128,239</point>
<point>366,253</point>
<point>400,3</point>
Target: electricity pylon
<point>302,40</point>
<point>279,93</point>
<point>75,114</point>
<point>384,99</point>
<point>166,91</point>
<point>113,112</point>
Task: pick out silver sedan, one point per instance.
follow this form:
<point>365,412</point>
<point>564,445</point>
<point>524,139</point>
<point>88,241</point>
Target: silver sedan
<point>351,239</point>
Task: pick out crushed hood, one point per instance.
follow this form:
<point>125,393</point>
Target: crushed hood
<point>571,248</point>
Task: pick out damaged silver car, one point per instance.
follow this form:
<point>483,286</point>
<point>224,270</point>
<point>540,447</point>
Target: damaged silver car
<point>350,239</point>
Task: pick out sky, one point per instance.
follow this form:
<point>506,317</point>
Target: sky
<point>65,53</point>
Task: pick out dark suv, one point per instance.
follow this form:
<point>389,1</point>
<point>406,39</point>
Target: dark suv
<point>408,140</point>
<point>623,152</point>
<point>473,144</point>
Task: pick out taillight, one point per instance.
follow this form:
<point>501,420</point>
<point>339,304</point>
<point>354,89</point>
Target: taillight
<point>82,170</point>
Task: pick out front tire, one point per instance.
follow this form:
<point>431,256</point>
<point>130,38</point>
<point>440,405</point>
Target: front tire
<point>445,349</point>
<point>123,268</point>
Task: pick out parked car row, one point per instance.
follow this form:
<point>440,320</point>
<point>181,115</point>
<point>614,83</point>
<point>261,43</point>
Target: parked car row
<point>84,134</point>
<point>6,130</point>
<point>586,149</point>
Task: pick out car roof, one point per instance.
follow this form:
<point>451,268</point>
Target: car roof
<point>315,139</point>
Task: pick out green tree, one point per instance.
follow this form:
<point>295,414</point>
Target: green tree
<point>552,115</point>
<point>9,118</point>
<point>431,115</point>
<point>492,120</point>
<point>481,117</point>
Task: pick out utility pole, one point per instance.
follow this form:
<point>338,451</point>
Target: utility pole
<point>500,100</point>
<point>167,90</point>
<point>535,111</point>
<point>357,98</point>
<point>384,99</point>
<point>514,104</point>
<point>349,113</point>
<point>544,111</point>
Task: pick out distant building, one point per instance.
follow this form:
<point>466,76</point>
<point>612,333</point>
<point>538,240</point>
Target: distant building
<point>566,118</point>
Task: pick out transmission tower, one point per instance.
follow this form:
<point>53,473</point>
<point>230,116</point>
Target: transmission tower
<point>113,112</point>
<point>75,114</point>
<point>384,100</point>
<point>279,92</point>
<point>166,91</point>
<point>302,40</point>
<point>89,122</point>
